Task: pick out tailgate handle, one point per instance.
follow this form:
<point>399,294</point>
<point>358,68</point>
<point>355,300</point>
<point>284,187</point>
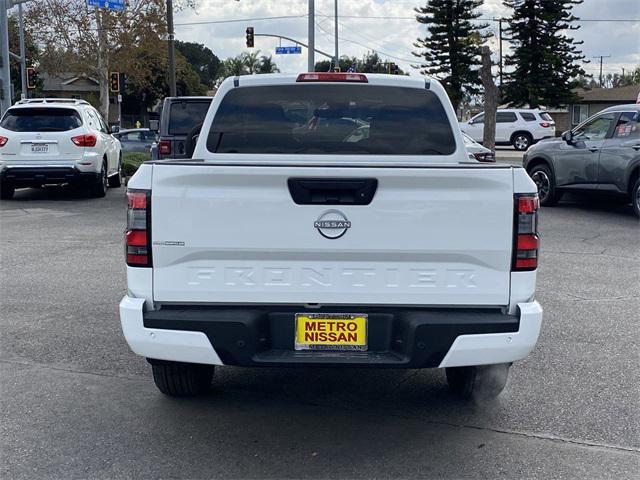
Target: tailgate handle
<point>332,191</point>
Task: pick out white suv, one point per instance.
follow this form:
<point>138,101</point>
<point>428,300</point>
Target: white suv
<point>518,127</point>
<point>57,141</point>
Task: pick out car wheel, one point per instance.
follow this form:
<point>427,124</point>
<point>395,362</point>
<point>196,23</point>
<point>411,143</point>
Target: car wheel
<point>181,379</point>
<point>635,197</point>
<point>99,188</point>
<point>6,191</point>
<point>521,141</point>
<point>116,180</point>
<point>543,178</point>
<point>480,382</point>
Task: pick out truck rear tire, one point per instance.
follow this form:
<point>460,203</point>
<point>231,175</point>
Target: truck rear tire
<point>6,191</point>
<point>177,379</point>
<point>481,382</point>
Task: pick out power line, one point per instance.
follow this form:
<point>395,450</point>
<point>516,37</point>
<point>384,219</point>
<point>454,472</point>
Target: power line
<point>385,17</point>
<point>237,20</point>
<point>368,39</point>
<point>369,47</point>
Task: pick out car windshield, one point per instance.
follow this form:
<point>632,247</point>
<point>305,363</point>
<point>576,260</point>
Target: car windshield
<point>331,119</point>
<point>186,115</point>
<point>41,120</point>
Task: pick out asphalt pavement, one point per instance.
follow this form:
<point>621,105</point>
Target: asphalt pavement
<point>76,403</point>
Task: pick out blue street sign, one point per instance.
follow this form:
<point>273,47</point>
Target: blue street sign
<point>287,50</point>
<point>109,4</point>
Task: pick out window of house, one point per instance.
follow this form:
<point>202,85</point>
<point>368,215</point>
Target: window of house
<point>580,114</point>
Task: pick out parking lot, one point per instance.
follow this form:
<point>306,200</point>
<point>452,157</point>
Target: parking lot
<point>76,403</point>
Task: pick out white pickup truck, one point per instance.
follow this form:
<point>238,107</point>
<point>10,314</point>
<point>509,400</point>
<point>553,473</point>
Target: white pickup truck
<point>331,219</point>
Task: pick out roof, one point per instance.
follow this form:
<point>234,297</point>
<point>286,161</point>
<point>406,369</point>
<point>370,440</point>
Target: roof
<point>69,82</point>
<point>628,94</point>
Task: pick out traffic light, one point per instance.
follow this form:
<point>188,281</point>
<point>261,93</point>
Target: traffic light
<point>32,78</point>
<point>250,40</point>
<point>114,82</point>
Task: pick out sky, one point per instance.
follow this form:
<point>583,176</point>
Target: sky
<point>392,30</point>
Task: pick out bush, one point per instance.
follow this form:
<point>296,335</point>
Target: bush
<point>132,160</point>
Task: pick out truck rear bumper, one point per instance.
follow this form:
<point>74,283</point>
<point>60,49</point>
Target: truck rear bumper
<point>399,337</point>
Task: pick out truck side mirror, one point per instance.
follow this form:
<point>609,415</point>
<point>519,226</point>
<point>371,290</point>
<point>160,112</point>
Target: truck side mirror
<point>154,126</point>
<point>568,136</point>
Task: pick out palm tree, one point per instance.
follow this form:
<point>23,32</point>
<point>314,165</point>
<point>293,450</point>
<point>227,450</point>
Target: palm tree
<point>267,65</point>
<point>235,66</point>
<point>251,61</point>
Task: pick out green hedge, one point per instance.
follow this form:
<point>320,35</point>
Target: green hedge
<point>132,160</point>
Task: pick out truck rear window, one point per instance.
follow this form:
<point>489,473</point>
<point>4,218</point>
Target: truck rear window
<point>331,119</point>
<point>41,120</point>
<point>186,115</point>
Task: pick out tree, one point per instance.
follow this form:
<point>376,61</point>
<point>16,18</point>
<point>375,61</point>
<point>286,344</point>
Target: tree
<point>490,100</point>
<point>451,48</point>
<point>545,60</point>
<point>205,63</point>
<point>32,53</point>
<point>249,64</point>
<point>267,65</point>
<point>370,63</point>
<point>80,39</point>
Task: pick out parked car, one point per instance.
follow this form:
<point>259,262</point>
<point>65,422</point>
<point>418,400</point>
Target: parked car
<point>178,118</point>
<point>518,127</point>
<point>601,156</point>
<point>56,141</point>
<point>477,151</point>
<point>136,139</point>
<point>286,246</point>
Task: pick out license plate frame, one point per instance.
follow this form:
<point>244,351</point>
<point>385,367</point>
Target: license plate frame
<point>331,321</point>
<point>39,148</point>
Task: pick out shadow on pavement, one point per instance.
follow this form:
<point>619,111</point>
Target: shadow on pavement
<point>59,193</point>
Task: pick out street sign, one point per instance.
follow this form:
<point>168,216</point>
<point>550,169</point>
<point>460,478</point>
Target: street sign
<point>108,4</point>
<point>287,50</point>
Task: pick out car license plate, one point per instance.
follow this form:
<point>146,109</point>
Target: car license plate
<point>331,331</point>
<point>40,148</point>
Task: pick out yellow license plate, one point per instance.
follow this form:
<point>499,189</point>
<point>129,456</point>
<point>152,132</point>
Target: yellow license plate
<point>331,331</point>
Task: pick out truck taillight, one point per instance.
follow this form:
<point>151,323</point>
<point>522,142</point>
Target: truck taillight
<point>164,147</point>
<point>138,234</point>
<point>525,232</point>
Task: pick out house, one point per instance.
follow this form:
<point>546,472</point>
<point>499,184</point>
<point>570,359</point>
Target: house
<point>591,102</point>
<point>80,86</point>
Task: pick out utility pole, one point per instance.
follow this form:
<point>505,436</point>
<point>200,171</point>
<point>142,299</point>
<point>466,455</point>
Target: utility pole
<point>5,76</point>
<point>601,57</point>
<point>500,46</point>
<point>173,92</point>
<point>23,55</point>
<point>311,65</point>
<point>336,34</point>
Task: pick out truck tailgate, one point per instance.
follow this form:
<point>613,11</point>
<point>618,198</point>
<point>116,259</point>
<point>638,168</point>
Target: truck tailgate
<point>233,234</point>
